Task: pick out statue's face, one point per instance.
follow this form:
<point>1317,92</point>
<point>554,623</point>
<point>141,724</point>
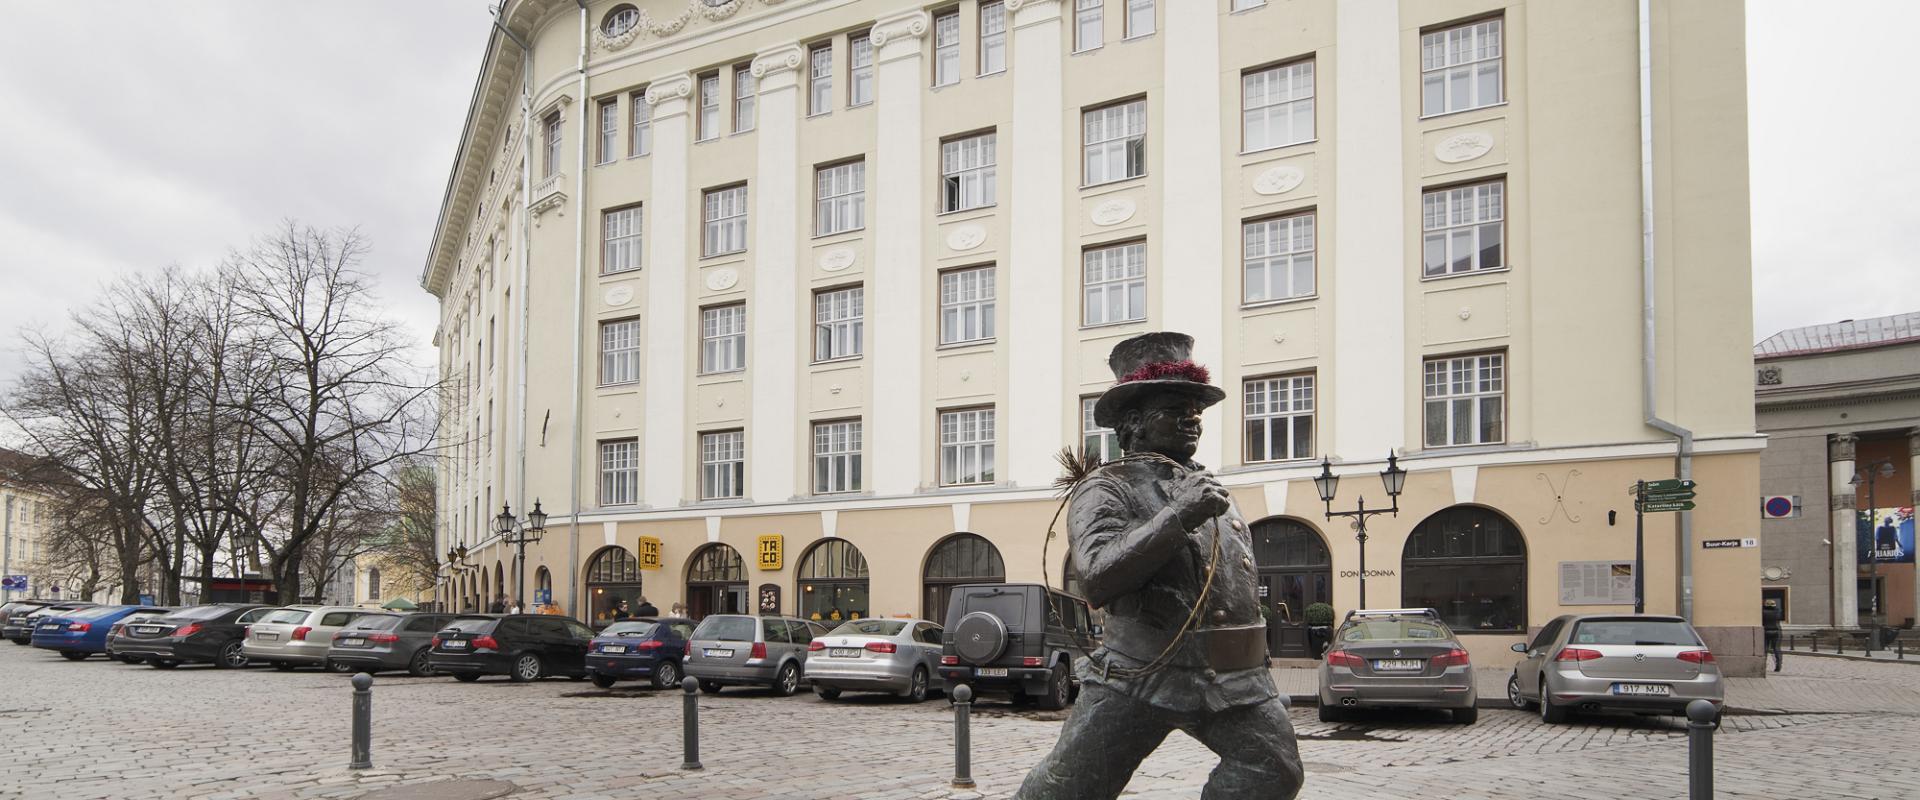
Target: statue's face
<point>1167,425</point>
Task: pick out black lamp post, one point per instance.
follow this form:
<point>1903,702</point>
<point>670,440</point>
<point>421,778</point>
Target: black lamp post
<point>1328,484</point>
<point>512,532</point>
<point>457,564</point>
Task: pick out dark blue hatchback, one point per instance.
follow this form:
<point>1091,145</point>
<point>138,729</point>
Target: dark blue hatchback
<point>640,648</point>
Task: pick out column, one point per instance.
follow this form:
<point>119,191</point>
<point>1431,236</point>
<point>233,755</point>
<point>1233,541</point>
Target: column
<point>1191,254</point>
<point>666,265</point>
<point>773,363</point>
<point>1913,481</point>
<point>897,429</point>
<point>1845,515</point>
<point>1368,275</point>
<point>1034,277</point>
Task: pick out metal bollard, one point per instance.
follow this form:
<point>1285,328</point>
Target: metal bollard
<point>1900,649</point>
<point>690,732</point>
<point>1700,716</point>
<point>362,722</point>
<point>962,737</point>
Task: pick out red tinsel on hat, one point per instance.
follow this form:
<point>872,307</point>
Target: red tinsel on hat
<point>1162,370</point>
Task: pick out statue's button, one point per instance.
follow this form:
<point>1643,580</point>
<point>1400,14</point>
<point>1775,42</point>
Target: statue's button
<point>1208,674</point>
<point>1237,525</point>
<point>1247,560</point>
<point>1220,615</point>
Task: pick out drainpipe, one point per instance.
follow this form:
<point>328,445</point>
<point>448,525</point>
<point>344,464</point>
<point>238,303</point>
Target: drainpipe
<point>1649,367</point>
<point>579,305</point>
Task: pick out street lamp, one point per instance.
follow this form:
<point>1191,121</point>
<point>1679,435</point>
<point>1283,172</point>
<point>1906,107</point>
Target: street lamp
<point>1868,474</point>
<point>508,527</point>
<point>457,565</point>
<point>1393,478</point>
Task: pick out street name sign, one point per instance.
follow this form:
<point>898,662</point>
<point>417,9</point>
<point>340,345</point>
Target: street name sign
<point>1652,507</point>
<point>1670,485</point>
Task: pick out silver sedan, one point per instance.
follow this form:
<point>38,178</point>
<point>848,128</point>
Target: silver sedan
<point>1399,657</point>
<point>1632,662</point>
<point>896,656</point>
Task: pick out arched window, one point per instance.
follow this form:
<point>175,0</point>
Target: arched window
<point>1295,569</point>
<point>716,582</point>
<point>500,583</point>
<point>613,585</point>
<point>957,559</point>
<point>833,582</point>
<point>1471,564</point>
<point>373,583</point>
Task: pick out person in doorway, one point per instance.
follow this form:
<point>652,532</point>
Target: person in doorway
<point>620,611</point>
<point>514,608</point>
<point>499,605</point>
<point>679,609</point>
<point>1770,616</point>
<point>646,610</point>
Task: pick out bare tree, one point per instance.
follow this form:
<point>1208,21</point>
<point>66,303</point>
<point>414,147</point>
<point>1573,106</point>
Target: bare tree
<point>409,543</point>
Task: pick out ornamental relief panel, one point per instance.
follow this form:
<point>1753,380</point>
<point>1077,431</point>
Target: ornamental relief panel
<point>1467,146</point>
<point>1278,181</point>
<point>660,20</point>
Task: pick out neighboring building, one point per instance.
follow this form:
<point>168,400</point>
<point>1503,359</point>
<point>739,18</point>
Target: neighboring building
<point>27,509</point>
<point>671,314</point>
<point>1837,401</point>
<point>377,581</point>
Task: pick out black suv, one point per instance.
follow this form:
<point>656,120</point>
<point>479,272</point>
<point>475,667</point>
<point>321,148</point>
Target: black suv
<point>522,647</point>
<point>1019,638</point>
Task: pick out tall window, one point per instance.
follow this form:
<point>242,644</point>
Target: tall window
<point>1116,284</point>
<point>745,89</point>
<point>373,583</point>
<point>1470,564</point>
<point>708,125</point>
<point>1462,229</point>
<point>820,79</point>
<point>839,321</point>
<point>1460,68</point>
<point>620,235</point>
<point>966,446</point>
<point>946,49</point>
<point>1089,24</point>
<point>1100,442</point>
<point>1139,18</point>
<point>840,198</point>
<point>967,173</point>
<point>640,141</point>
<point>836,457</point>
<point>1276,106</point>
<point>620,472</point>
<point>859,69</point>
<point>966,305</point>
<point>1277,258</point>
<point>724,226</point>
<point>550,130</point>
<point>609,129</point>
<point>1466,400</point>
<point>723,464</point>
<point>619,351</point>
<point>1114,140</point>
<point>1279,413</point>
<point>993,37</point>
<point>723,338</point>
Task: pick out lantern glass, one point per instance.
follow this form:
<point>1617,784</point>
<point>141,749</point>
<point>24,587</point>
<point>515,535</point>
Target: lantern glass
<point>1394,478</point>
<point>537,520</point>
<point>1326,483</point>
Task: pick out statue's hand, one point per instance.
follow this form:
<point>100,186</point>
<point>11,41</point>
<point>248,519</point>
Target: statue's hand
<point>1197,498</point>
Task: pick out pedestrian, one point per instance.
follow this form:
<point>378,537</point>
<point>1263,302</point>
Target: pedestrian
<point>515,608</point>
<point>1770,614</point>
<point>679,609</point>
<point>620,611</point>
<point>499,605</point>
<point>646,609</point>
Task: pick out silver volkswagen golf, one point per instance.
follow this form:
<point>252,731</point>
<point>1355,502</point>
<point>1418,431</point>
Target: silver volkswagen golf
<point>1632,662</point>
<point>1397,657</point>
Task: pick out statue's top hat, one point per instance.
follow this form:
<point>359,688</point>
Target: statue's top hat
<point>1149,364</point>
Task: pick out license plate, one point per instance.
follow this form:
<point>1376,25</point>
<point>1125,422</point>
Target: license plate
<point>146,629</point>
<point>49,627</point>
<point>712,653</point>
<point>992,672</point>
<point>843,652</point>
<point>1398,664</point>
<point>614,648</point>
<point>267,637</point>
<point>454,644</point>
<point>1653,689</point>
<point>352,642</point>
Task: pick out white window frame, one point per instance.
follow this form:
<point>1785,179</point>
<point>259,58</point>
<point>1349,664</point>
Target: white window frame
<point>1113,142</point>
<point>967,305</point>
<point>723,221</point>
<point>723,338</point>
<point>620,231</point>
<point>967,446</point>
<point>746,93</point>
<point>1247,5</point>
<point>1281,402</point>
<point>1114,284</point>
<point>609,111</point>
<point>1462,390</point>
<point>619,472</point>
<point>1095,440</point>
<point>968,172</point>
<point>620,351</point>
<point>860,80</point>
<point>820,79</point>
<point>1275,103</point>
<point>946,48</point>
<point>723,465</point>
<point>1456,225</point>
<point>707,122</point>
<point>837,466</point>
<point>552,126</point>
<point>1276,253</point>
<point>840,198</point>
<point>1089,25</point>
<point>1140,18</point>
<point>993,37</point>
<point>839,323</point>
<point>640,139</point>
<point>1456,63</point>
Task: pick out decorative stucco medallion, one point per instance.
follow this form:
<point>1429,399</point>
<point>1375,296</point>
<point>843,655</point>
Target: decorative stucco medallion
<point>837,259</point>
<point>1113,212</point>
<point>966,237</point>
<point>1463,146</point>
<point>1278,180</point>
<point>619,296</point>
<point>722,279</point>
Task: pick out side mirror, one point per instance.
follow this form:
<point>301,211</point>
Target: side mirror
<point>1519,647</point>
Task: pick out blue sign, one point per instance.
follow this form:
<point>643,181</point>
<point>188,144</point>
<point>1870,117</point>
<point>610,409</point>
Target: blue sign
<point>13,583</point>
<point>147,600</point>
<point>543,597</point>
<point>1885,535</point>
<point>1779,506</point>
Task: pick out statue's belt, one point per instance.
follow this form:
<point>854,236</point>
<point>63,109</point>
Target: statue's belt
<point>1225,647</point>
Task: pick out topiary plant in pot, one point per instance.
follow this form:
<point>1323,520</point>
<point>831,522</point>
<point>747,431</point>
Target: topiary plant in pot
<point>1319,618</point>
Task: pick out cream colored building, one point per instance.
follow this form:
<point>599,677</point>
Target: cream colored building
<point>844,272</point>
<point>27,512</point>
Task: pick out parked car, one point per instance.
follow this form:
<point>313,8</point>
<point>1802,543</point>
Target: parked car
<point>896,656</point>
<point>989,642</point>
<point>210,633</point>
<point>640,648</point>
<point>294,636</point>
<point>1397,657</point>
<point>22,615</point>
<point>115,633</point>
<point>376,642</point>
<point>522,647</point>
<point>1635,662</point>
<point>81,632</point>
<point>741,650</point>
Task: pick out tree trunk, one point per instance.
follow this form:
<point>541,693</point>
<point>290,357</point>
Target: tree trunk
<point>129,556</point>
<point>286,576</point>
<point>207,553</point>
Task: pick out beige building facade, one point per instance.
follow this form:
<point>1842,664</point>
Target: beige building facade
<point>790,304</point>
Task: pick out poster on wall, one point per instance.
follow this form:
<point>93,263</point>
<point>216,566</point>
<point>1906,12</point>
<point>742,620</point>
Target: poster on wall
<point>1596,583</point>
<point>1885,535</point>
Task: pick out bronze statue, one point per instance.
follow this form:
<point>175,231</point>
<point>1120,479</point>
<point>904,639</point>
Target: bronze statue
<point>1161,549</point>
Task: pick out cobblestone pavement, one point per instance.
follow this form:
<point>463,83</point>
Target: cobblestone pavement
<point>102,730</point>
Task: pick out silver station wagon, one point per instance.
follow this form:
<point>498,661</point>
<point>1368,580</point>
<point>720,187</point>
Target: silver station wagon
<point>297,635</point>
<point>739,650</point>
<point>1632,662</point>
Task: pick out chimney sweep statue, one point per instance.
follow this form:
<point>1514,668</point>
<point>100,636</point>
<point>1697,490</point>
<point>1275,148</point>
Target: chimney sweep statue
<point>1162,550</point>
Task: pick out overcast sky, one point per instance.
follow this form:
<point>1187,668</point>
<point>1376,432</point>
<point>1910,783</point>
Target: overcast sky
<point>139,134</point>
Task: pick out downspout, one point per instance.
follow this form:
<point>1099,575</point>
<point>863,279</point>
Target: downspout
<point>1649,368</point>
<point>526,246</point>
<point>579,304</point>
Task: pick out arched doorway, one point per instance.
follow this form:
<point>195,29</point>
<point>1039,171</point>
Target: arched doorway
<point>613,577</point>
<point>716,582</point>
<point>957,559</point>
<point>1470,563</point>
<point>500,585</point>
<point>1295,568</point>
<point>833,582</point>
<point>482,598</point>
<point>542,587</point>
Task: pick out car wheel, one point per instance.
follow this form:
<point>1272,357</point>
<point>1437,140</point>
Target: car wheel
<point>466,677</point>
<point>604,681</point>
<point>419,666</point>
<point>525,668</point>
<point>826,692</point>
<point>787,680</point>
<point>666,675</point>
<point>21,642</point>
<point>1515,697</point>
<point>231,656</point>
<point>1332,713</point>
<point>1550,713</point>
<point>283,666</point>
<point>163,664</point>
<point>710,687</point>
<point>917,686</point>
<point>1466,716</point>
<point>1059,685</point>
<point>73,655</point>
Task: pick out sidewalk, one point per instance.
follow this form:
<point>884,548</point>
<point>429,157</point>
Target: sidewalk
<point>1897,655</point>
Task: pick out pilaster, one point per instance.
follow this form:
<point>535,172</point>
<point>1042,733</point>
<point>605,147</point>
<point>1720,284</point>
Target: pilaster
<point>1188,271</point>
<point>1844,515</point>
<point>1033,278</point>
<point>772,316</point>
<point>894,286</point>
<point>665,325</point>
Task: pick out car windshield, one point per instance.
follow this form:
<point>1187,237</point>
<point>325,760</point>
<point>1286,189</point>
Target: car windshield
<point>1375,630</point>
<point>869,627</point>
<point>726,629</point>
<point>1642,632</point>
<point>629,629</point>
<point>472,624</point>
<point>289,616</point>
<point>374,622</point>
<point>202,612</point>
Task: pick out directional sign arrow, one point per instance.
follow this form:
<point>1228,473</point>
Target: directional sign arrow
<point>1672,484</point>
<point>1666,505</point>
